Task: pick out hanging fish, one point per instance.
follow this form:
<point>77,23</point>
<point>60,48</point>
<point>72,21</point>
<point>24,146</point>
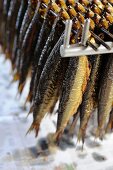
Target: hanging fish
<point>47,88</point>
<point>73,89</point>
<point>27,50</point>
<point>89,101</point>
<point>21,13</point>
<point>55,34</point>
<point>37,66</point>
<point>10,27</point>
<point>25,24</point>
<point>105,97</point>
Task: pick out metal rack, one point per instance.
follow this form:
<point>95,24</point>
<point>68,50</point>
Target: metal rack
<point>81,48</point>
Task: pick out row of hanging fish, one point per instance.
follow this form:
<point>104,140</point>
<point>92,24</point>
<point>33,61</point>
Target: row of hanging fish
<point>31,33</point>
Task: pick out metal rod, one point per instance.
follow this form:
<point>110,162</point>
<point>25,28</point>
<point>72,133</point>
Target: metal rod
<point>67,34</point>
<point>85,32</point>
<point>100,40</point>
<point>107,32</point>
<point>77,50</point>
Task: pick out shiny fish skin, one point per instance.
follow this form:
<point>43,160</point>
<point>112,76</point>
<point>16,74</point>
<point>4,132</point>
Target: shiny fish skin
<point>72,91</point>
<point>37,66</point>
<point>105,97</point>
<point>28,49</point>
<point>56,98</point>
<point>47,85</point>
<point>10,27</point>
<point>25,24</point>
<point>47,94</point>
<point>21,13</point>
<point>27,19</point>
<point>90,96</point>
<point>43,35</point>
<point>50,43</point>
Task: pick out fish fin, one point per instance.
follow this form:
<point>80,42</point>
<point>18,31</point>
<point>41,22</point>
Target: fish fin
<point>97,133</point>
<point>28,99</point>
<point>30,111</point>
<point>58,136</point>
<point>34,126</point>
<point>79,136</point>
<point>37,130</point>
<point>30,129</point>
<point>16,77</point>
<point>20,88</point>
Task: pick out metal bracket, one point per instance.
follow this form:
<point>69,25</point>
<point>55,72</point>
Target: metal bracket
<point>79,49</point>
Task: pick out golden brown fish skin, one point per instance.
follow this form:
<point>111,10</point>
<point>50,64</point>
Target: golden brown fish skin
<point>73,88</point>
<point>55,100</point>
<point>38,66</point>
<point>45,36</point>
<point>90,97</point>
<point>46,96</point>
<point>27,49</point>
<point>105,98</point>
<point>47,86</point>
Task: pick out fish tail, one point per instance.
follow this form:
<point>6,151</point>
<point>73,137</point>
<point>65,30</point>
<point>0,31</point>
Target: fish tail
<point>97,133</point>
<point>16,77</point>
<point>30,111</point>
<point>58,135</point>
<point>20,88</point>
<point>28,99</point>
<point>80,135</point>
<point>34,126</point>
<point>30,129</point>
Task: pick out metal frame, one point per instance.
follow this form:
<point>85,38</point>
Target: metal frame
<point>80,49</point>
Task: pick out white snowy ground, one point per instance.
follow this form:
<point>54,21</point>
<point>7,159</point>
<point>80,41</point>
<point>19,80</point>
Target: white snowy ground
<point>20,152</point>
